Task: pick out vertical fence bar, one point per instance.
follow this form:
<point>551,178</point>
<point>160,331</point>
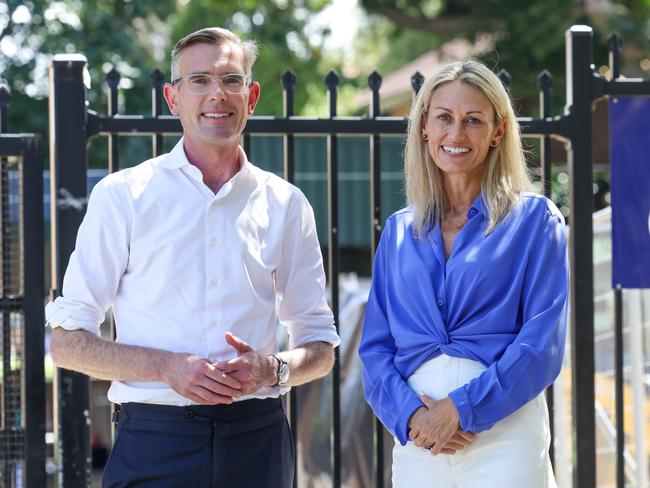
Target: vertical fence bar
<point>113,81</point>
<point>579,95</point>
<point>545,83</point>
<point>33,294</point>
<point>505,78</point>
<point>247,145</point>
<point>5,99</point>
<point>374,82</point>
<point>332,82</point>
<point>68,202</point>
<point>614,47</point>
<point>618,386</point>
<point>288,84</point>
<point>157,81</point>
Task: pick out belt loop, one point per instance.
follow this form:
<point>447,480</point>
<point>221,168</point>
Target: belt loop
<point>116,417</point>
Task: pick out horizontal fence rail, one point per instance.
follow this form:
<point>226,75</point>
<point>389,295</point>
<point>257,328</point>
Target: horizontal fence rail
<point>138,125</point>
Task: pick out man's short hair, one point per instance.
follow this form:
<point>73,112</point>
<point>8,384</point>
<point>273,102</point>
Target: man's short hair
<point>217,36</point>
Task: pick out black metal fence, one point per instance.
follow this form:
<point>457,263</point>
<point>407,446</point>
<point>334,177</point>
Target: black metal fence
<point>22,378</point>
<point>72,125</point>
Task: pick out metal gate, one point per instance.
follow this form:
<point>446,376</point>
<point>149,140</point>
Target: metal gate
<point>22,378</point>
<point>70,121</point>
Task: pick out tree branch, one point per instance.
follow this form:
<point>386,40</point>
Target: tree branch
<point>448,25</point>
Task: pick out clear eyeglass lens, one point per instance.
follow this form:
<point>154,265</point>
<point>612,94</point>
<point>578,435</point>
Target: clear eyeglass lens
<point>202,84</point>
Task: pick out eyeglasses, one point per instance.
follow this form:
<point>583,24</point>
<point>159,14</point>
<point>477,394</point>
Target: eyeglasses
<point>200,84</point>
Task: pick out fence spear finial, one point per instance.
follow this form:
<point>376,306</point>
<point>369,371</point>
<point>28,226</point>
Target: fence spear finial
<point>113,78</point>
<point>545,80</point>
<point>505,78</point>
<point>416,81</point>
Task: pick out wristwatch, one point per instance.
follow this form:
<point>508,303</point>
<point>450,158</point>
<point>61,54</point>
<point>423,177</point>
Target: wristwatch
<point>282,371</point>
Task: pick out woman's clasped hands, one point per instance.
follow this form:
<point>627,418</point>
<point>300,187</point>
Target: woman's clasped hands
<point>436,427</point>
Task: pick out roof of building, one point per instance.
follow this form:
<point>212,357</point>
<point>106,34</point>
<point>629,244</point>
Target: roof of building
<point>396,91</point>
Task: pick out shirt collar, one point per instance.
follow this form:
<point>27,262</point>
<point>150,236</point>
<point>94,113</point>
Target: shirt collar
<point>176,158</point>
<point>477,207</point>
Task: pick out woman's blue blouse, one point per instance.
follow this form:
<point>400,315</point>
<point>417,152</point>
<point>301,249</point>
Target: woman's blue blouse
<point>499,299</point>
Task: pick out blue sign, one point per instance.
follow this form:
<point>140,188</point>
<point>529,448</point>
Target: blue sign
<point>629,125</point>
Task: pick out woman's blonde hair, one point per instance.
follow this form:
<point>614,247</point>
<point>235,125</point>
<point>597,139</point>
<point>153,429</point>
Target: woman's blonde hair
<point>505,173</point>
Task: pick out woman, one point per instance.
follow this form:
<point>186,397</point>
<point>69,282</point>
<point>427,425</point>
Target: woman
<point>465,323</point>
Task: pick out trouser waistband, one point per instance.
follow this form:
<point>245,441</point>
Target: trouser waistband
<point>236,411</point>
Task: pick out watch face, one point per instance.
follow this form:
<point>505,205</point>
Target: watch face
<point>283,373</point>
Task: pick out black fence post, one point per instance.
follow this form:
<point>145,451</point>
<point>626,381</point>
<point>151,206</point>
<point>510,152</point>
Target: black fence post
<point>579,93</point>
<point>33,293</point>
<point>68,204</point>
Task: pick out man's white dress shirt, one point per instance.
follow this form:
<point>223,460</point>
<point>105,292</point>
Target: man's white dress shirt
<point>181,266</point>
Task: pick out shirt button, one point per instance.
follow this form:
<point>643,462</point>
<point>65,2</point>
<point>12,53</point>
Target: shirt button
<point>473,211</point>
<point>214,322</point>
<point>214,282</point>
<point>213,242</point>
<point>440,303</point>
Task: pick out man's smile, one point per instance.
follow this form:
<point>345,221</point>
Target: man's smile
<point>216,115</point>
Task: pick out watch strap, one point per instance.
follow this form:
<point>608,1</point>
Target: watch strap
<point>278,372</point>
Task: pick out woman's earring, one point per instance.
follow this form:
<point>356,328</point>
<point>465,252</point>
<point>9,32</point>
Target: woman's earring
<point>493,143</point>
<point>425,136</point>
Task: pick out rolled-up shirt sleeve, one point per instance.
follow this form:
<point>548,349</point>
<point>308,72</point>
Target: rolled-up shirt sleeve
<point>534,358</point>
<point>96,265</point>
<point>389,395</point>
<point>300,279</point>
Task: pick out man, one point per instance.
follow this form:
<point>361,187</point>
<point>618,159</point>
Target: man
<point>192,249</point>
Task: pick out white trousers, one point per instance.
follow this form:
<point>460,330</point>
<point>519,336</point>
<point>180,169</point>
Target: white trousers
<point>512,454</point>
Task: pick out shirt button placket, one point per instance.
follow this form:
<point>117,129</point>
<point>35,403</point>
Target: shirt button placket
<point>214,264</point>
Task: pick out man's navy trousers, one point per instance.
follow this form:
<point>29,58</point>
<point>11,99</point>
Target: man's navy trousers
<point>245,444</point>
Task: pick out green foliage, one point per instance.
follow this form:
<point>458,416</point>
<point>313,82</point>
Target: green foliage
<point>117,33</point>
<point>529,34</point>
<point>137,37</point>
<point>278,27</point>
